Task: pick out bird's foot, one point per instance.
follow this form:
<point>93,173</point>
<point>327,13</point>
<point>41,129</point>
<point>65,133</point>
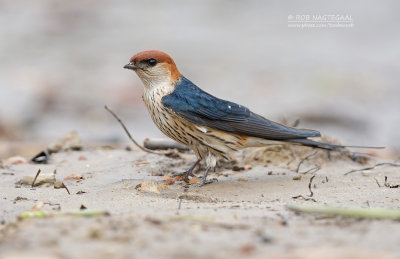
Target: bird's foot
<point>205,181</point>
<point>184,175</point>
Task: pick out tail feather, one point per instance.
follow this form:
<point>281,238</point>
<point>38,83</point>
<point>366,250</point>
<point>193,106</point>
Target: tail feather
<point>312,143</point>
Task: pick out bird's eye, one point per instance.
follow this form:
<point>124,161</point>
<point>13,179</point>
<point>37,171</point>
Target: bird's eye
<point>152,62</point>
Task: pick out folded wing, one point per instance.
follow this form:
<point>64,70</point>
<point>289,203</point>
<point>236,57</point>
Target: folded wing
<point>201,108</point>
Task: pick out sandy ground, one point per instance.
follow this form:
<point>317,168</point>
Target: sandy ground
<point>64,59</point>
<point>61,62</point>
<point>242,215</point>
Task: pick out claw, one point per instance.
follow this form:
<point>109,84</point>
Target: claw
<point>187,173</point>
<point>204,182</point>
<point>204,179</point>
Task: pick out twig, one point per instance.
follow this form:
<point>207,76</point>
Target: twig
<point>292,124</point>
<point>376,180</point>
<point>304,159</point>
<point>304,198</point>
<point>180,203</point>
<point>309,198</point>
<point>351,212</point>
<point>163,143</point>
<point>372,167</point>
<point>309,185</point>
<point>312,170</point>
<point>60,185</point>
<point>65,187</point>
<point>36,176</point>
<point>129,134</point>
<point>295,123</point>
<point>390,185</point>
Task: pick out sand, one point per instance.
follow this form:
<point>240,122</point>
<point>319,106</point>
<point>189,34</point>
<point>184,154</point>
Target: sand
<point>242,215</point>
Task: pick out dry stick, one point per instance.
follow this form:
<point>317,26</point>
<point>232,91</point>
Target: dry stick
<point>130,136</point>
<point>36,176</point>
<point>313,170</point>
<point>180,203</point>
<point>376,180</point>
<point>311,192</point>
<point>309,185</point>
<point>65,187</point>
<point>304,159</point>
<point>295,123</point>
<point>163,143</point>
<point>372,167</point>
<point>304,198</point>
<point>390,185</point>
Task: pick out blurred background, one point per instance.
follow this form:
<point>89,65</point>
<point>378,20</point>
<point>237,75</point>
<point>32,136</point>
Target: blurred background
<point>61,62</point>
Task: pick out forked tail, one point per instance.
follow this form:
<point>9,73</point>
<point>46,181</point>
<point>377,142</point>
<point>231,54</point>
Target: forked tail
<point>312,143</point>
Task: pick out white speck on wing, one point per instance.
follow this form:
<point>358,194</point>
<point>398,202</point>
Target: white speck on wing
<point>204,130</point>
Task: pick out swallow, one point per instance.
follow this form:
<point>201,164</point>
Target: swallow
<point>212,127</point>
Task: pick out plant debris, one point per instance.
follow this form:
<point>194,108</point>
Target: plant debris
<point>390,185</point>
<point>69,141</point>
<point>376,180</point>
<point>169,180</point>
<point>60,185</point>
<point>196,197</point>
<point>309,185</point>
<point>170,153</point>
<point>41,158</point>
<point>304,198</point>
<point>349,212</point>
<point>152,186</point>
<point>163,144</point>
<point>77,177</point>
<point>296,177</point>
<point>19,198</point>
<point>194,180</point>
<point>305,159</point>
<point>372,167</point>
<point>36,176</point>
<point>129,134</point>
<point>13,161</point>
<point>38,179</point>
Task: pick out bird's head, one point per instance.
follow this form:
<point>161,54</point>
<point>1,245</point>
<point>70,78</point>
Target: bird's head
<point>154,68</point>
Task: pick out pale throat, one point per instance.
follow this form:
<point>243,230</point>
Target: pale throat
<point>155,78</point>
<point>156,90</point>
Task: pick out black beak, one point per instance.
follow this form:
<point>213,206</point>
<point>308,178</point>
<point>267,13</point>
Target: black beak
<point>131,65</point>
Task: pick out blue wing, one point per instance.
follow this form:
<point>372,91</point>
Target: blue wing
<point>201,108</point>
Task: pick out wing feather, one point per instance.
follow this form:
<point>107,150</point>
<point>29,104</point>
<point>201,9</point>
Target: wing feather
<point>199,107</point>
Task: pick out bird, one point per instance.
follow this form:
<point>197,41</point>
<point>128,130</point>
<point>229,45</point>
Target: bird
<point>211,127</point>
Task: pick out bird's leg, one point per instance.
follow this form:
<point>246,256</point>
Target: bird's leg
<point>188,172</point>
<point>204,179</point>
